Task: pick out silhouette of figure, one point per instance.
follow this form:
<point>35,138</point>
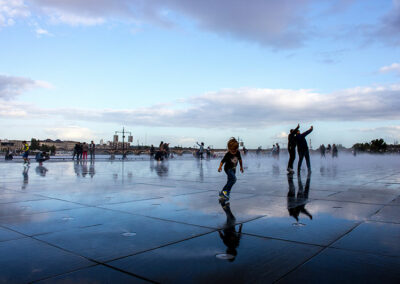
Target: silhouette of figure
<point>26,177</point>
<point>322,150</point>
<point>302,149</point>
<point>92,170</point>
<point>334,151</point>
<point>41,170</point>
<point>229,235</point>
<point>292,148</point>
<point>296,204</point>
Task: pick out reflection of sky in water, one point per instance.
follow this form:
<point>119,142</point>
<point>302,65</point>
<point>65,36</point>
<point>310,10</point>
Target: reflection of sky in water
<point>261,190</point>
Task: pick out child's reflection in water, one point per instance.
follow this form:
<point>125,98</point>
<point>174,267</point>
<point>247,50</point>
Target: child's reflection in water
<point>229,235</point>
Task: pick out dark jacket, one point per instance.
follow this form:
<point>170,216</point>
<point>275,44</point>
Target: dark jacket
<point>302,142</point>
<point>292,140</point>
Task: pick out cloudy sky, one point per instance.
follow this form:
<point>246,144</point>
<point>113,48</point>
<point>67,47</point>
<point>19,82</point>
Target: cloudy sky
<point>187,70</point>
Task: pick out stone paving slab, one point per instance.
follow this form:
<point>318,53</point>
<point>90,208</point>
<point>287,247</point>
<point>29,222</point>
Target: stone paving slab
<point>7,235</point>
<point>98,274</point>
<point>373,237</point>
<point>204,260</point>
<point>26,260</point>
<point>342,266</point>
<point>123,237</point>
<point>388,213</point>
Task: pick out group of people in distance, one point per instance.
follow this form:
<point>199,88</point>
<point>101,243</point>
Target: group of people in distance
<point>81,151</point>
<point>40,156</point>
<point>162,153</point>
<point>328,150</point>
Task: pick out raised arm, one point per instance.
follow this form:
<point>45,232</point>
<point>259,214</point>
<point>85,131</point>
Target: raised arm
<point>308,131</point>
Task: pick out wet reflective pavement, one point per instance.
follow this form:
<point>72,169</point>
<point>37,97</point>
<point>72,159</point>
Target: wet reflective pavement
<point>143,221</point>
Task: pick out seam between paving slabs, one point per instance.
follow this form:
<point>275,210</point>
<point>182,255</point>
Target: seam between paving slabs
<point>96,264</point>
<point>323,249</point>
<point>328,246</point>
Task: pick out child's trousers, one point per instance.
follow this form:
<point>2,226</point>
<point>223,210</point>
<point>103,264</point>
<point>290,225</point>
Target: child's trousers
<point>231,174</point>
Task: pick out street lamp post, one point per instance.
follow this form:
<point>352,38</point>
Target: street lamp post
<point>130,139</point>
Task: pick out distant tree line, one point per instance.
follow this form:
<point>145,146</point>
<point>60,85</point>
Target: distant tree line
<point>35,145</point>
<point>375,146</point>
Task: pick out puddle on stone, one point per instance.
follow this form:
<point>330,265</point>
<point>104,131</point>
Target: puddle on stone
<point>127,234</point>
<point>225,256</point>
<point>67,218</point>
<point>298,224</point>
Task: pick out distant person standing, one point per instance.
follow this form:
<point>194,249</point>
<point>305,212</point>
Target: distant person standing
<point>231,158</point>
<point>152,151</point>
<point>85,149</point>
<point>92,150</point>
<point>322,150</point>
<point>79,151</point>
<point>334,151</point>
<point>201,150</point>
<point>328,149</point>
<point>25,154</point>
<point>292,148</point>
<point>302,149</point>
<point>76,151</point>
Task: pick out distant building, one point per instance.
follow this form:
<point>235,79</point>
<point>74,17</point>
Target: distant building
<point>60,145</point>
<point>12,145</point>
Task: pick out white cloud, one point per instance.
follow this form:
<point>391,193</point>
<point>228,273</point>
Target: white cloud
<point>387,132</point>
<point>394,67</point>
<point>11,10</point>
<point>246,108</point>
<point>40,32</point>
<point>70,133</point>
<point>12,86</point>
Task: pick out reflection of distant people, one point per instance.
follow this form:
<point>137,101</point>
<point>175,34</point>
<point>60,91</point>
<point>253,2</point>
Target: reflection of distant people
<point>41,170</point>
<point>92,171</point>
<point>162,169</point>
<point>25,177</point>
<point>302,149</point>
<point>292,148</point>
<point>296,204</point>
<point>334,151</point>
<point>322,150</point>
<point>84,168</point>
<point>78,168</point>
<point>229,235</point>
